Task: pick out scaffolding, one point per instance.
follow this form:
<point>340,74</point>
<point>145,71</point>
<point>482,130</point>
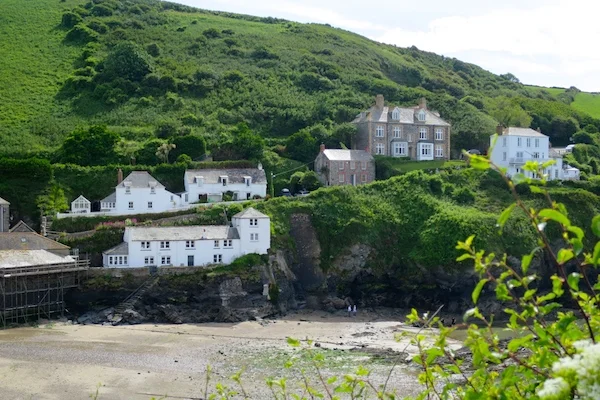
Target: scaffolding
<point>37,291</point>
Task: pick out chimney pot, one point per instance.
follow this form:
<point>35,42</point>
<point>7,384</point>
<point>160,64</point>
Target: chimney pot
<point>539,129</point>
<point>119,176</point>
<point>499,129</point>
<point>379,101</point>
<point>322,147</point>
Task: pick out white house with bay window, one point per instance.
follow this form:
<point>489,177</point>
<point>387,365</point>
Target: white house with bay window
<point>515,146</point>
<point>249,232</point>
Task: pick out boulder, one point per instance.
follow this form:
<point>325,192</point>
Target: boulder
<point>132,317</point>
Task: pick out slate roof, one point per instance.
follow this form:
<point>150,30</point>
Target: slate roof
<point>120,249</point>
<point>347,155</point>
<point>250,213</point>
<point>234,175</point>
<point>174,233</point>
<point>24,258</point>
<point>21,227</point>
<point>2,201</point>
<point>28,241</point>
<point>140,179</point>
<point>514,131</point>
<point>111,198</point>
<point>408,115</point>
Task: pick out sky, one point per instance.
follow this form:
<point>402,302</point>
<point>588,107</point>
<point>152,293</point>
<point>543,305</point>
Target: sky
<point>542,42</point>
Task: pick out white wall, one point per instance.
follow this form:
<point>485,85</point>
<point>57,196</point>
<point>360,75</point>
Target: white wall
<point>245,230</point>
<point>162,200</point>
<point>193,190</point>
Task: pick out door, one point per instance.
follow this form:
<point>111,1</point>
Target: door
<point>190,261</point>
<point>353,179</point>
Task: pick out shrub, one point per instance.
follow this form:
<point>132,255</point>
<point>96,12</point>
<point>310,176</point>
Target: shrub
<point>82,34</point>
<point>153,49</point>
<point>98,26</point>
<point>463,195</point>
<point>70,19</point>
<point>211,33</point>
<point>101,10</point>
<point>126,61</point>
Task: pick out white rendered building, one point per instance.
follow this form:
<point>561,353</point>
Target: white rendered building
<point>208,185</point>
<point>249,232</point>
<point>515,146</point>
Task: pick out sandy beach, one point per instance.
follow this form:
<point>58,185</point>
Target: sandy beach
<point>63,361</point>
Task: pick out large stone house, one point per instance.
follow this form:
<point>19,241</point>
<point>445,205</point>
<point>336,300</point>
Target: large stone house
<point>415,132</point>
<point>344,167</point>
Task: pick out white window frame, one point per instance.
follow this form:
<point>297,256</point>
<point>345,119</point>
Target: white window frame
<point>254,237</point>
<point>364,165</point>
<point>536,155</point>
<point>227,243</point>
<point>396,114</point>
<point>397,132</point>
<point>341,178</point>
<point>190,244</point>
<point>400,149</point>
<point>110,260</point>
<point>380,149</point>
<point>439,134</point>
<point>519,142</point>
<point>537,142</point>
<point>152,190</point>
<point>363,178</point>
<point>519,154</point>
<point>131,205</point>
<point>439,150</point>
<point>341,165</point>
<point>145,245</point>
<point>504,156</point>
<point>379,131</point>
<point>165,260</point>
<point>421,115</point>
<point>218,258</point>
<point>422,133</point>
<point>127,190</point>
<point>426,149</point>
<point>528,142</point>
<point>352,164</point>
<point>165,245</point>
<point>254,222</point>
<point>149,205</point>
<point>148,260</point>
<point>503,142</point>
<point>217,244</point>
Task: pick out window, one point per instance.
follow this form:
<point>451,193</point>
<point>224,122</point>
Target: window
<point>426,150</point>
<point>421,115</point>
<point>217,258</point>
<point>543,156</point>
<point>228,243</point>
<point>503,142</point>
<point>247,181</point>
<point>341,165</point>
<point>341,178</point>
<point>152,190</point>
<point>504,156</point>
<point>127,190</point>
<point>363,178</point>
<point>165,245</point>
<point>379,131</point>
<point>537,142</point>
<point>148,260</point>
<point>439,151</point>
<point>396,114</point>
<point>399,149</point>
<point>423,133</point>
<point>439,134</point>
<point>120,260</point>
<point>254,237</point>
<point>536,155</point>
<point>528,142</point>
<point>555,174</point>
<point>352,164</point>
<point>519,142</point>
<point>149,204</point>
<point>364,165</point>
<point>397,132</point>
<point>110,260</point>
<point>224,180</point>
<point>145,245</point>
<point>217,244</point>
<point>380,149</point>
<point>409,137</point>
<point>131,205</point>
<point>253,221</point>
<point>519,154</point>
<point>187,198</point>
<point>166,260</point>
<point>190,244</point>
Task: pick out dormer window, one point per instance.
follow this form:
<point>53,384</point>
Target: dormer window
<point>223,180</point>
<point>247,180</point>
<point>421,115</point>
<point>127,185</point>
<point>396,114</point>
<point>199,180</point>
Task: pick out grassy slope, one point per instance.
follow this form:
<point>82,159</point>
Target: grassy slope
<point>588,103</point>
<point>34,63</point>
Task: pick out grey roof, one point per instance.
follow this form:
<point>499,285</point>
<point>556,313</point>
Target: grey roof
<point>28,241</point>
<point>81,197</point>
<point>2,201</point>
<point>140,179</point>
<point>111,198</point>
<point>196,232</point>
<point>408,115</point>
<point>234,175</point>
<point>250,213</point>
<point>347,155</point>
<point>514,131</point>
<point>120,249</point>
<point>555,153</point>
<point>24,258</point>
<point>21,227</point>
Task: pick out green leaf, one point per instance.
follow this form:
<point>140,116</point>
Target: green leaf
<point>596,225</point>
<point>564,255</point>
<point>505,215</point>
<point>293,342</point>
<point>577,245</point>
<point>526,261</point>
<point>536,189</point>
<point>578,232</point>
<point>596,255</point>
<point>554,215</point>
<point>557,284</point>
<point>517,343</point>
<point>477,290</point>
<point>332,380</point>
<point>529,294</point>
<point>502,292</point>
<point>573,280</point>
<point>479,162</point>
<point>464,257</point>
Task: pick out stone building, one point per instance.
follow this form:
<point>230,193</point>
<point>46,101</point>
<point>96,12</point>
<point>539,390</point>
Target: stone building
<point>416,132</point>
<point>4,215</point>
<point>344,167</point>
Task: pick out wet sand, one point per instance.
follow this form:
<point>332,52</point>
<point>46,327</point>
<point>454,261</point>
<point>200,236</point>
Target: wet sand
<point>63,361</point>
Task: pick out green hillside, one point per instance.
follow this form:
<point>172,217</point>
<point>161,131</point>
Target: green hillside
<point>587,103</point>
<point>152,69</point>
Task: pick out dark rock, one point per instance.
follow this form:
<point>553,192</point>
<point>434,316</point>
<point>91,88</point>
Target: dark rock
<point>132,317</point>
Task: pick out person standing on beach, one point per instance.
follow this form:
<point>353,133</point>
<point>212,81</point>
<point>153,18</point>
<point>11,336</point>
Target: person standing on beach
<point>349,310</point>
<point>354,310</point>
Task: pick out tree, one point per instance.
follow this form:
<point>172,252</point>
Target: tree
<point>126,60</point>
<point>52,201</point>
<point>248,144</point>
<point>301,146</point>
<point>510,77</point>
<point>192,145</point>
<point>147,154</point>
<point>95,146</point>
<point>562,129</point>
<point>310,181</point>
<point>583,137</point>
<point>163,151</point>
<point>473,131</point>
<point>509,113</point>
<point>345,133</point>
<point>127,149</point>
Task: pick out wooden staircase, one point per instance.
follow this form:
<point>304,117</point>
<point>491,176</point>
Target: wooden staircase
<point>133,298</point>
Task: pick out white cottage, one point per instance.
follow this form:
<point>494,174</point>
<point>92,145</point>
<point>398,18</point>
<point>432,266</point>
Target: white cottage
<point>140,193</point>
<point>209,185</point>
<point>249,232</point>
<point>81,205</point>
<point>515,146</point>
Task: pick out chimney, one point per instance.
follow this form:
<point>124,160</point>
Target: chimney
<point>539,129</point>
<point>379,101</point>
<point>423,103</point>
<point>499,129</point>
<point>119,176</point>
<point>260,167</point>
<point>322,148</point>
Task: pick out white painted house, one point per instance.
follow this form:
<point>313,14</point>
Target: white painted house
<point>81,205</point>
<point>249,232</point>
<point>515,146</point>
<point>209,185</point>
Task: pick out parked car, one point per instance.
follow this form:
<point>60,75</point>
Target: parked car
<point>302,193</point>
<point>286,192</point>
